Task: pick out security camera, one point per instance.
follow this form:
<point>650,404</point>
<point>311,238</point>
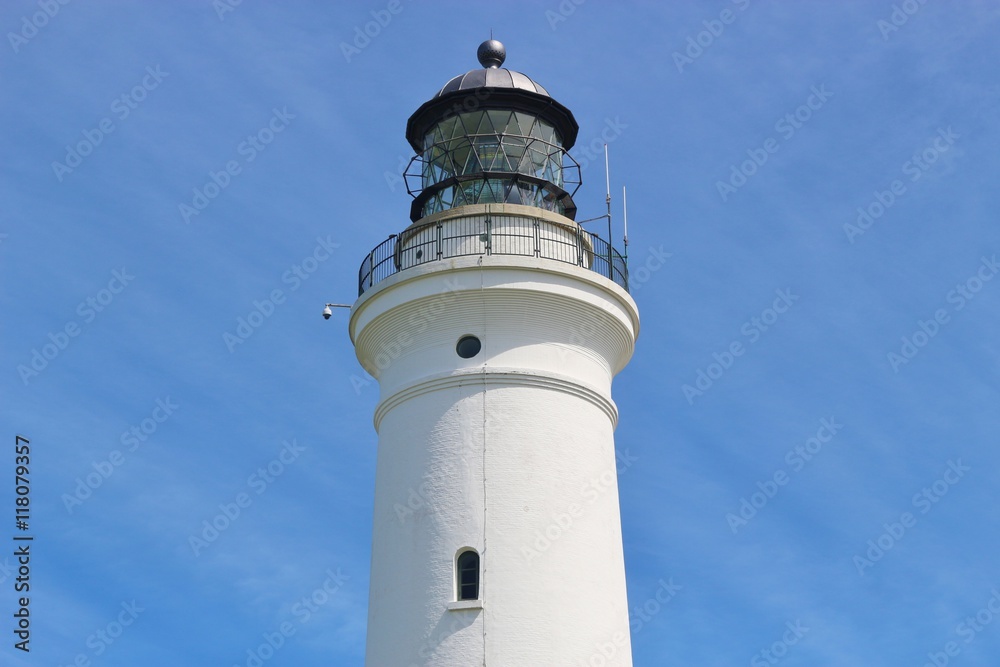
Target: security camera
<point>328,311</point>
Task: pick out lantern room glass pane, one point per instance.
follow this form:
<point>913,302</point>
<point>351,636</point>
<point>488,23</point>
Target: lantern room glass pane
<point>498,119</point>
<point>524,123</point>
<point>486,142</point>
<point>450,127</point>
<point>488,150</point>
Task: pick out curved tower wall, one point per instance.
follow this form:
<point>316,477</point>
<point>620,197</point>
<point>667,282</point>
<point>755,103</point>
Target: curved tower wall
<point>510,453</point>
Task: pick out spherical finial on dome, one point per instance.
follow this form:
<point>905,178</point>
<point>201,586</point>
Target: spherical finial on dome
<point>491,54</point>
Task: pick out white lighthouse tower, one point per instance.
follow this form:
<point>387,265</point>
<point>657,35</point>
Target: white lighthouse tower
<point>494,324</point>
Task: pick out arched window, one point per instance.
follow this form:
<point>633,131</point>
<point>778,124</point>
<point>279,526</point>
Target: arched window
<point>467,573</point>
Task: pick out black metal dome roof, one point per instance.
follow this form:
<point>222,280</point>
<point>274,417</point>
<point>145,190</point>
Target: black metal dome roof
<point>491,54</point>
<point>492,87</point>
<point>493,77</point>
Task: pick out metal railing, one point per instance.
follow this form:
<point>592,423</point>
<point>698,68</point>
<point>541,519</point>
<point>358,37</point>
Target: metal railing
<point>491,234</point>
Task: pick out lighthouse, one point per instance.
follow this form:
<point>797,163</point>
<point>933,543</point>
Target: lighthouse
<point>494,324</point>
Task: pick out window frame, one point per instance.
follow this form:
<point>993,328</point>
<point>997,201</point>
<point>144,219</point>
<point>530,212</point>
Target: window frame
<point>460,584</point>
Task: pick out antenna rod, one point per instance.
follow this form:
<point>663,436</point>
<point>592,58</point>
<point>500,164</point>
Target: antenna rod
<point>625,221</point>
<point>607,181</point>
<point>607,174</point>
<point>625,214</point>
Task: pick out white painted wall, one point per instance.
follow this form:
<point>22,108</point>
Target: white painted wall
<point>510,452</point>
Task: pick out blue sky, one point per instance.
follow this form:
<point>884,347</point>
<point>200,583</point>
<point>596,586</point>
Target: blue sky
<point>749,135</point>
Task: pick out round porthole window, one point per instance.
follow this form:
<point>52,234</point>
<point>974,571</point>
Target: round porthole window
<point>468,347</point>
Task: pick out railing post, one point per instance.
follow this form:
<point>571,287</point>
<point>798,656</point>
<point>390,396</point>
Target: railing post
<point>538,244</point>
<point>489,236</point>
<point>579,246</point>
<point>440,232</point>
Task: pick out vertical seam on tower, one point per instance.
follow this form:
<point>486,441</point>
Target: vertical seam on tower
<point>482,301</point>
